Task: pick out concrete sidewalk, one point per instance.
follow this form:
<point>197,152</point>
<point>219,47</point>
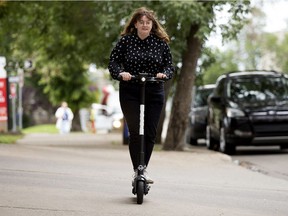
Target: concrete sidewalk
<point>90,174</point>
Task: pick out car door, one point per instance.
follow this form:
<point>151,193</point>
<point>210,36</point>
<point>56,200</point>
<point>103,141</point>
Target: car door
<point>216,108</point>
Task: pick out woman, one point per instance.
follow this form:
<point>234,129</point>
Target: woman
<point>64,117</point>
<point>142,48</point>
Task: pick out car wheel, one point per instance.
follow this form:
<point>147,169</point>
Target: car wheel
<point>193,141</point>
<point>189,138</point>
<point>210,142</point>
<point>225,147</point>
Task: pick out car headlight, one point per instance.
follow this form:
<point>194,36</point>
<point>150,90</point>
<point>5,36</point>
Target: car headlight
<point>232,112</point>
<point>117,124</point>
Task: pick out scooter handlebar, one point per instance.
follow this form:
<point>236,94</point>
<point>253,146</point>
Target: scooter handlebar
<point>144,78</point>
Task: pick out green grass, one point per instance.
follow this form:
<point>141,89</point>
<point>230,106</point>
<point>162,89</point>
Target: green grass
<point>10,138</point>
<point>46,128</point>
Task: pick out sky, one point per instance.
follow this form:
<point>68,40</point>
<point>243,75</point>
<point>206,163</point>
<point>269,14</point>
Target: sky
<point>277,15</point>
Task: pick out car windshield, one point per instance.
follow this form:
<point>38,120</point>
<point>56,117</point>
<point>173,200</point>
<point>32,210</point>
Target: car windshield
<point>201,96</point>
<point>257,89</point>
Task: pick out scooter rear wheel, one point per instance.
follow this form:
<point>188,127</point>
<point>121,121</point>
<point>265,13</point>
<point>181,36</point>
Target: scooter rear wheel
<point>140,192</point>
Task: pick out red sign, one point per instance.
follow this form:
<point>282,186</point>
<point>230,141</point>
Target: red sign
<point>3,100</point>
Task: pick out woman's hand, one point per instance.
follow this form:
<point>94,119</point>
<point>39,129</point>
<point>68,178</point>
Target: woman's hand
<point>161,75</point>
<point>125,76</point>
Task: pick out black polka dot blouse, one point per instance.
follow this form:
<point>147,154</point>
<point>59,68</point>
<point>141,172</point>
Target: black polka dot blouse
<point>131,54</point>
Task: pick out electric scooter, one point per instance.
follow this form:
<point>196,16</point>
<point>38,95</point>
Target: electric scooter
<point>140,185</point>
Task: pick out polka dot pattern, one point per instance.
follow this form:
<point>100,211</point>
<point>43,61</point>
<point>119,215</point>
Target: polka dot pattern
<point>131,54</point>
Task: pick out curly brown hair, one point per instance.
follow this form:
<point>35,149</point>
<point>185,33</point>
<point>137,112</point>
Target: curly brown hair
<point>157,28</point>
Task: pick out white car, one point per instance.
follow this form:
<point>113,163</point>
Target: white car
<point>106,118</point>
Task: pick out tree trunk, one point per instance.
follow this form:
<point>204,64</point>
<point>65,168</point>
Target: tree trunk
<point>167,87</point>
<point>180,108</point>
<point>76,126</point>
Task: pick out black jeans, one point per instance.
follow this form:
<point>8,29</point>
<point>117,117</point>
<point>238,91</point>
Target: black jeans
<point>130,105</point>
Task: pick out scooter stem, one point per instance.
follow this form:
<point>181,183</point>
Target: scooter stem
<point>141,126</point>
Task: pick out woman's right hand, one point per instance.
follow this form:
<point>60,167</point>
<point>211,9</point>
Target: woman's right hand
<point>125,76</point>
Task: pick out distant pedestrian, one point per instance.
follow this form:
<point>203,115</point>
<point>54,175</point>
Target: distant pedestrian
<point>64,117</point>
<point>92,118</point>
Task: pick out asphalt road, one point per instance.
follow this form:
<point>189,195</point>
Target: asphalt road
<point>87,175</point>
<point>269,160</point>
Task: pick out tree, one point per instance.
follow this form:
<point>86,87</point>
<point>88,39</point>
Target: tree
<point>274,51</point>
<point>282,51</point>
<point>199,28</point>
<point>63,38</point>
<point>253,49</point>
<point>223,61</point>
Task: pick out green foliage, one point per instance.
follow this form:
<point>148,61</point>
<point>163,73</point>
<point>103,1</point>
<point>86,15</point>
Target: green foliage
<point>257,49</point>
<point>277,48</point>
<point>54,36</point>
<point>222,62</point>
<point>63,37</point>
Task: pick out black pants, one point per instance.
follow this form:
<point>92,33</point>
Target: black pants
<point>130,104</point>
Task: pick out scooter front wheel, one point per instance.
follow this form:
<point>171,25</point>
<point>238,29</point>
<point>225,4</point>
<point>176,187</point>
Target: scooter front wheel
<point>140,191</point>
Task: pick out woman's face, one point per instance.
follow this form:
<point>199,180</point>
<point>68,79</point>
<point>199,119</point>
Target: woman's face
<point>143,26</point>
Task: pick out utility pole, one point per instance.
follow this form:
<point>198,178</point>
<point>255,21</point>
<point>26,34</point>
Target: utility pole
<point>20,72</point>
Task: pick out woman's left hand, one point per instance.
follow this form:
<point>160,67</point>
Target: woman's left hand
<point>161,75</point>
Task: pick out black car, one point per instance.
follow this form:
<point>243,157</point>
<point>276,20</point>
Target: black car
<point>198,114</point>
<point>248,108</point>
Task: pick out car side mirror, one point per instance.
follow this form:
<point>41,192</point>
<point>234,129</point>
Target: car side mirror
<point>215,99</point>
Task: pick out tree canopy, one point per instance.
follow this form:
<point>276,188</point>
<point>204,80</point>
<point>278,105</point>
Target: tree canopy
<point>63,38</point>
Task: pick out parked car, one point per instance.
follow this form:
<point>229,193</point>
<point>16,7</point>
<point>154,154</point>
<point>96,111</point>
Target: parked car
<point>107,118</point>
<point>198,114</point>
<point>248,108</point>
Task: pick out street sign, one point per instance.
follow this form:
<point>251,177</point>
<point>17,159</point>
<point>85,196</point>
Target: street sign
<point>14,79</point>
<point>3,100</point>
<point>13,90</point>
<point>3,73</point>
<point>2,61</point>
<point>3,96</point>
